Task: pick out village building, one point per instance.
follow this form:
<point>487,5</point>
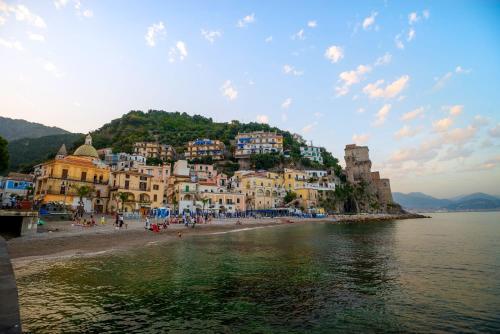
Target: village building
<point>312,153</point>
<point>58,180</point>
<point>204,148</point>
<point>122,161</point>
<point>258,142</point>
<point>154,150</point>
<point>14,186</point>
<point>263,190</point>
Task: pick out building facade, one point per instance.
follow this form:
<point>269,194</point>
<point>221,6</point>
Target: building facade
<point>13,187</point>
<point>155,150</point>
<point>258,142</point>
<point>58,180</point>
<point>312,153</point>
<point>203,148</point>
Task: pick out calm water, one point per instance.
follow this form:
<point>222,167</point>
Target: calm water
<point>440,274</point>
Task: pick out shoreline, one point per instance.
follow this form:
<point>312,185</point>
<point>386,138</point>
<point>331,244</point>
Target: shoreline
<point>73,242</point>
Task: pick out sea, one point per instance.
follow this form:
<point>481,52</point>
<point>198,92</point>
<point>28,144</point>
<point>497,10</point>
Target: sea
<point>440,274</point>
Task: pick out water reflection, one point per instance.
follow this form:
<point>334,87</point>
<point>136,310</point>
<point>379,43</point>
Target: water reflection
<point>316,278</point>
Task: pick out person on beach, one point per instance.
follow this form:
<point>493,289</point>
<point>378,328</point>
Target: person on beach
<point>103,220</point>
<point>148,225</point>
<point>120,220</point>
<point>179,234</point>
<point>117,216</point>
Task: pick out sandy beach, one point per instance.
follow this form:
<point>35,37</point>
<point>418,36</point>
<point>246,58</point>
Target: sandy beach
<point>62,239</point>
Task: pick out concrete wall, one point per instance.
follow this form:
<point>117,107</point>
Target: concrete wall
<point>10,320</point>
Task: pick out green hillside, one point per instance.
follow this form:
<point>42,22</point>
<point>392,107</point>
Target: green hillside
<point>27,152</point>
<point>12,129</point>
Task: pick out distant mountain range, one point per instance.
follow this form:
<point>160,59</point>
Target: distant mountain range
<point>12,129</point>
<point>421,202</point>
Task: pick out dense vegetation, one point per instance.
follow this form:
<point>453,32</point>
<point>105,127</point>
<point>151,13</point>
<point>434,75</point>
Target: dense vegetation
<point>26,152</point>
<point>12,129</point>
<point>175,129</point>
<point>4,155</point>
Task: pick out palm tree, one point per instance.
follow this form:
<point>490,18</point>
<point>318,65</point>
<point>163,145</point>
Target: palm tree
<point>204,201</point>
<point>123,197</point>
<point>82,192</point>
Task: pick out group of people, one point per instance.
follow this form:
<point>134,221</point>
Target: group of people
<point>186,219</point>
<point>79,220</point>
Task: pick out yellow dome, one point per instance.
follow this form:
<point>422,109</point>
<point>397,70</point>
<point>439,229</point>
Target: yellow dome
<point>86,151</point>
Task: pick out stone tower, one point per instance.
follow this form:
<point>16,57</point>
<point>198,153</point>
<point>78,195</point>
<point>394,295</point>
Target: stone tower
<point>62,152</point>
<point>358,163</point>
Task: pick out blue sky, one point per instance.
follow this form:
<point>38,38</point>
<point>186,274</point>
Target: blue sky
<point>415,81</point>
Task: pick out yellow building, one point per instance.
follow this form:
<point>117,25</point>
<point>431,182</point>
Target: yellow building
<point>57,180</point>
<point>263,190</point>
<point>308,197</point>
<point>201,148</point>
<point>294,179</point>
<point>144,192</point>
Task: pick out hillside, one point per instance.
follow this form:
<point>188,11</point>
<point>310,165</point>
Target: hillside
<point>177,129</point>
<point>12,129</point>
<point>420,201</point>
<point>27,152</point>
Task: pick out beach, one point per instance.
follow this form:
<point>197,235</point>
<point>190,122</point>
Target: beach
<point>63,239</point>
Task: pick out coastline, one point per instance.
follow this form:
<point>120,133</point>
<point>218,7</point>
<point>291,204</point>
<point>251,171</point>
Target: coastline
<point>74,242</point>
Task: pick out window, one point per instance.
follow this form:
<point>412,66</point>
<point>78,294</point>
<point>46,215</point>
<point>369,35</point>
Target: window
<point>98,193</point>
<point>186,189</point>
<point>156,187</point>
<point>142,185</point>
<point>63,190</point>
<point>127,176</point>
<point>220,201</point>
<point>64,174</point>
<point>84,176</point>
<point>238,200</point>
<point>155,198</point>
<point>127,184</point>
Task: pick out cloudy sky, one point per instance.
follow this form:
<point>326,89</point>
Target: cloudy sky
<point>418,82</point>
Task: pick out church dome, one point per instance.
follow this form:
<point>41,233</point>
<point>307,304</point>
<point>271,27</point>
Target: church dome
<point>87,150</point>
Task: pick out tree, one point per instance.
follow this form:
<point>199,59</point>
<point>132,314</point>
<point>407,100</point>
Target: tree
<point>82,192</point>
<point>205,202</point>
<point>4,155</point>
<point>123,198</point>
<point>266,160</point>
<point>290,196</point>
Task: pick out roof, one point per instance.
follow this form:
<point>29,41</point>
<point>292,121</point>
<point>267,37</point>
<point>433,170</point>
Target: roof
<point>86,151</point>
<point>19,177</point>
<point>62,150</point>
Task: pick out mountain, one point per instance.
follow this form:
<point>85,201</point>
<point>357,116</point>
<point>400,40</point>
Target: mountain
<point>12,129</point>
<point>420,201</point>
<point>27,152</point>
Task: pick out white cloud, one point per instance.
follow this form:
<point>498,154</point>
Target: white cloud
<point>411,35</point>
<point>11,44</point>
<point>212,35</point>
<point>426,14</point>
<point>229,91</point>
<point>383,60</point>
<point>495,131</point>
<point>288,69</point>
<point>406,132</point>
<point>455,110</point>
<point>360,139</point>
<point>374,90</point>
<point>312,24</point>
<point>88,13</point>
<point>441,81</point>
<point>287,103</point>
<point>52,69</point>
<point>284,117</point>
<point>413,18</point>
<point>318,114</point>
<point>349,78</point>
<point>179,51</point>
<point>334,53</point>
<point>155,30</point>
<point>309,127</point>
<point>246,20</point>
<point>360,110</point>
<point>443,124</point>
<point>36,37</point>
<point>382,114</point>
<point>369,21</point>
<point>262,119</point>
<point>60,3</point>
<point>269,39</point>
<point>480,121</point>
<point>399,44</point>
<point>299,35</point>
<point>460,136</point>
<point>23,14</point>
<point>411,115</point>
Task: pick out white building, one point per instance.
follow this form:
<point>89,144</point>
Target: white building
<point>312,153</point>
<point>316,173</point>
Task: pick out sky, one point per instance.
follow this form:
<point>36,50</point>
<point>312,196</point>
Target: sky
<point>416,81</point>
